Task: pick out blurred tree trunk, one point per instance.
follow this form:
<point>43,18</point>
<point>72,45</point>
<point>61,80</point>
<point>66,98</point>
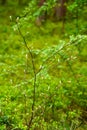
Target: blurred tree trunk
<point>41,2</point>
<point>60,10</point>
<point>42,17</point>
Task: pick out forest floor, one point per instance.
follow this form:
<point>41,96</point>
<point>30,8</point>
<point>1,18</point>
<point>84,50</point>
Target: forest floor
<point>13,64</point>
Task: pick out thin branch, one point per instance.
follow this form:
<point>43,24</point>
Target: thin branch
<point>34,84</point>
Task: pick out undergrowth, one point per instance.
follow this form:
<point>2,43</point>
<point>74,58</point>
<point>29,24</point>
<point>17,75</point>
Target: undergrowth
<point>43,76</point>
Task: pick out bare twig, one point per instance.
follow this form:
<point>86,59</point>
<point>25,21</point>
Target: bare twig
<point>34,84</point>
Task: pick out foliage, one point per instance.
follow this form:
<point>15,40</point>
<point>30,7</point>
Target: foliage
<point>43,74</point>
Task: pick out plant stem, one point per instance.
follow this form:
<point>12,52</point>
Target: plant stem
<point>35,77</point>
